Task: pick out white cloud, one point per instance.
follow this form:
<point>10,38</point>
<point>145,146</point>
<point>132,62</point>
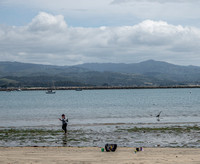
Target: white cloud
<point>154,1</point>
<point>48,40</point>
<point>44,21</point>
<point>111,12</point>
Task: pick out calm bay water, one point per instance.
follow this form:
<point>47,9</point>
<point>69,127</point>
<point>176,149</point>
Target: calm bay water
<point>35,108</point>
<point>103,115</point>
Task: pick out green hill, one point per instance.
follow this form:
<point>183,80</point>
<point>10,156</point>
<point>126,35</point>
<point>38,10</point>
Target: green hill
<point>147,73</point>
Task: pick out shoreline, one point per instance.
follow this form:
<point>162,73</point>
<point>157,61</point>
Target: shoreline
<point>94,155</point>
<point>98,88</point>
<point>124,136</point>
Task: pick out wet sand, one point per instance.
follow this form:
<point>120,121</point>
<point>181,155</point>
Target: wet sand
<point>75,155</point>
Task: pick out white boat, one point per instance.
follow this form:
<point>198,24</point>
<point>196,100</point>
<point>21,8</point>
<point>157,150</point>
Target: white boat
<point>50,92</point>
<point>78,89</point>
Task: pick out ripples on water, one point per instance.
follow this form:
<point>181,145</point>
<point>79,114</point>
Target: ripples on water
<point>98,115</point>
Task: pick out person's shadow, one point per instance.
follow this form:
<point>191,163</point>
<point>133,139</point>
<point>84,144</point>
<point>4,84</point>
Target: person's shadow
<point>64,139</point>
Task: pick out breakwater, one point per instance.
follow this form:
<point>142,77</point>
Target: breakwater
<point>98,87</point>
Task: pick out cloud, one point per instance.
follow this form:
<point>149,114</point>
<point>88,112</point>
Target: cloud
<point>47,39</point>
<point>45,21</point>
<point>153,1</point>
<point>96,13</point>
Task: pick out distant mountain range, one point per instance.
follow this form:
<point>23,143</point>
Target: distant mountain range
<point>147,73</point>
<point>145,67</point>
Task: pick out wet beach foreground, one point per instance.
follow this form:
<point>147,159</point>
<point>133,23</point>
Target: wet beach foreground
<point>125,135</point>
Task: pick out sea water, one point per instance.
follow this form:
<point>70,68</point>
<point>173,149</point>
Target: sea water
<point>36,108</point>
<point>102,112</point>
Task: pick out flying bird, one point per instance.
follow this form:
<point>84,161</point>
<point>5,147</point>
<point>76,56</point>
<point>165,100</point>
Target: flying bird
<point>158,116</point>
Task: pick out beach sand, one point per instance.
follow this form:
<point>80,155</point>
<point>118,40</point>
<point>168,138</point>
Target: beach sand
<point>86,155</point>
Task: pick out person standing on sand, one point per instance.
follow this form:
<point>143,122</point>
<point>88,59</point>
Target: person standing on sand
<point>64,123</point>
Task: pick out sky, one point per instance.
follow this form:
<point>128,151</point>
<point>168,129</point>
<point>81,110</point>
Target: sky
<point>66,32</point>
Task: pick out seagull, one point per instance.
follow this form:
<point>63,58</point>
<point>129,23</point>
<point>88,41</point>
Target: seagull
<point>158,116</point>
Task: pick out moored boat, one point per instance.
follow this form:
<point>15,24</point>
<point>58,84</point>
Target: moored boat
<point>50,92</point>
